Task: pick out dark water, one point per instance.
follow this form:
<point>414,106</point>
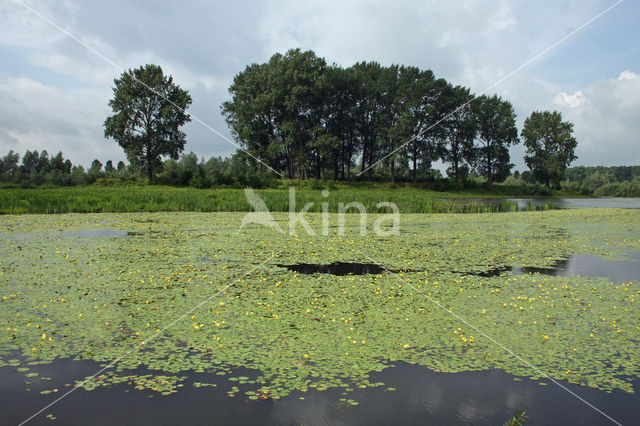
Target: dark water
<point>422,397</point>
<point>83,233</point>
<point>579,265</point>
<point>96,233</point>
<point>336,268</point>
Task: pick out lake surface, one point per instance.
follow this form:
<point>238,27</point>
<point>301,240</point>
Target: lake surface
<point>421,396</point>
<point>562,203</point>
<point>90,285</point>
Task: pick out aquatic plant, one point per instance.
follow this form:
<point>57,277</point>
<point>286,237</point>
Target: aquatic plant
<point>67,291</point>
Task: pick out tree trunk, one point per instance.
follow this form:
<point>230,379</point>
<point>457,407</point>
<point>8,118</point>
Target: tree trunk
<point>149,162</point>
<point>455,169</point>
<point>393,170</point>
<point>489,176</point>
<point>415,162</point>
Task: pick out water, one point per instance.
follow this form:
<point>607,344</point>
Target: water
<point>560,203</point>
<point>337,268</point>
<point>487,397</point>
<point>423,396</point>
<point>578,265</point>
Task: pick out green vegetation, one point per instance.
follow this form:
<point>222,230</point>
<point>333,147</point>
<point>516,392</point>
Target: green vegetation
<point>617,181</point>
<point>294,117</point>
<point>517,420</point>
<point>148,110</point>
<point>306,119</point>
<point>69,291</point>
<point>550,146</point>
<point>157,198</point>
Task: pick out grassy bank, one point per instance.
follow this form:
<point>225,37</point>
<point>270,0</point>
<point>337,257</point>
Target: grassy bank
<point>163,198</point>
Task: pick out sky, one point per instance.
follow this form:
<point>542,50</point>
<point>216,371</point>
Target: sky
<point>59,59</point>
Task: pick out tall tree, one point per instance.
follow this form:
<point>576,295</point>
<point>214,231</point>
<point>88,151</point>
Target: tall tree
<point>550,146</point>
<point>459,130</point>
<point>423,110</point>
<point>342,99</point>
<point>496,131</point>
<point>273,109</point>
<point>149,109</point>
<point>9,163</point>
<point>368,113</point>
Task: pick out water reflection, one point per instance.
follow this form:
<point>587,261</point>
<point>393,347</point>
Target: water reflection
<point>579,265</point>
<point>560,203</point>
<point>336,268</point>
<point>97,233</point>
<point>422,397</point>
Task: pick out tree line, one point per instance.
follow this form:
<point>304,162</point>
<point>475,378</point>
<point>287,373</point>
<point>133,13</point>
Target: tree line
<point>304,119</point>
<point>38,169</point>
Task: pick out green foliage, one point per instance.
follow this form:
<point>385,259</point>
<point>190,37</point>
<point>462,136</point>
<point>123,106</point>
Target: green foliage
<point>497,130</point>
<point>460,128</point>
<point>132,195</point>
<point>517,420</point>
<point>619,189</point>
<point>67,291</point>
<point>308,120</point>
<point>149,109</point>
<point>550,146</point>
<point>616,181</point>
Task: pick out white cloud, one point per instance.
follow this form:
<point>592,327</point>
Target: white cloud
<point>20,27</point>
<point>203,45</point>
<point>605,116</point>
<point>36,116</point>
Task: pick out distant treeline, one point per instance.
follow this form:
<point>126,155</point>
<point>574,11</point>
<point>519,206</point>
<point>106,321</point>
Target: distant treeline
<point>307,119</point>
<point>616,181</point>
<point>36,169</point>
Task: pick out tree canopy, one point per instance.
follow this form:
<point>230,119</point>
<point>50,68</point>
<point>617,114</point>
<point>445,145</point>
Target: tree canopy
<point>148,110</point>
<point>550,146</point>
<point>308,119</point>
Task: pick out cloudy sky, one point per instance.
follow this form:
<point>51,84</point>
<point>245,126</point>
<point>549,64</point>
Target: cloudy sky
<point>54,92</point>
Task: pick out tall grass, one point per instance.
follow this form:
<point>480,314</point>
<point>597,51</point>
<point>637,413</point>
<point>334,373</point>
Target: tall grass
<point>163,198</point>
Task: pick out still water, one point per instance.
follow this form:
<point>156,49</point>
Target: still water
<point>411,394</point>
<point>560,203</point>
<point>421,396</point>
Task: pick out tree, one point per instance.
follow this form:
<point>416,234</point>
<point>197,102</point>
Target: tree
<point>59,164</point>
<point>550,146</point>
<point>423,109</point>
<point>30,162</point>
<point>9,163</point>
<point>149,109</point>
<point>459,129</point>
<point>496,124</point>
<point>368,113</point>
<point>273,110</point>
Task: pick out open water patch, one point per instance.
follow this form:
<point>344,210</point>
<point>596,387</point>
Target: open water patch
<point>584,265</point>
<point>409,394</point>
<point>97,233</point>
<point>336,268</point>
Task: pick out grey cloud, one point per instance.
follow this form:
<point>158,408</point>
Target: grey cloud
<point>204,44</point>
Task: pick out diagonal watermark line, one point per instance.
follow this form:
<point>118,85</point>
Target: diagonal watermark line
<point>498,82</point>
<point>122,69</point>
<point>491,339</point>
<point>152,337</point>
